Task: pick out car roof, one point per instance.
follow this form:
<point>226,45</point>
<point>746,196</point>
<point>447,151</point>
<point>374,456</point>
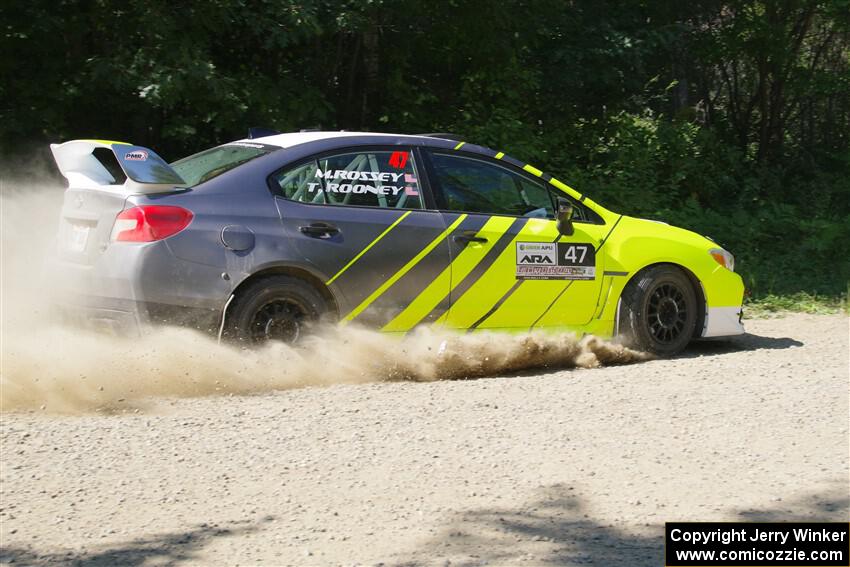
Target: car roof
<point>295,138</point>
<point>317,141</point>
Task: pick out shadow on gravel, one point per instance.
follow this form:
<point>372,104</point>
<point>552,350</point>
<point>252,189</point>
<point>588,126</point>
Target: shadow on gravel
<point>556,529</point>
<point>830,505</point>
<point>737,344</point>
<point>553,530</point>
<point>167,549</point>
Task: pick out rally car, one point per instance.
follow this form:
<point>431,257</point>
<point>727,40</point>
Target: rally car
<point>258,238</point>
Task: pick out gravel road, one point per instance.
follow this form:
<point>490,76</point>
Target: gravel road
<point>571,468</point>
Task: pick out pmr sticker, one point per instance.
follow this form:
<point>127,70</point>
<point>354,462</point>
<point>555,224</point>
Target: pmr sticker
<point>136,155</point>
<point>555,261</point>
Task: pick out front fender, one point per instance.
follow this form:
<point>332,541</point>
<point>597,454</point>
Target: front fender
<point>636,244</point>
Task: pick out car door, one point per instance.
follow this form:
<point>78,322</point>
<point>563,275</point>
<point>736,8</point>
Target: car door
<point>358,218</point>
<point>517,271</point>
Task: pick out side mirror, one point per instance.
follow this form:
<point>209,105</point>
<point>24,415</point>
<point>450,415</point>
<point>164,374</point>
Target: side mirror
<point>565,217</point>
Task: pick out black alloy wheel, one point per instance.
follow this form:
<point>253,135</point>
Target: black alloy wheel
<point>274,308</point>
<point>279,320</point>
<point>667,313</point>
<point>659,310</point>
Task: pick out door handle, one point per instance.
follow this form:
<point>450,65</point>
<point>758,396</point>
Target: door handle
<point>319,229</point>
<point>468,236</point>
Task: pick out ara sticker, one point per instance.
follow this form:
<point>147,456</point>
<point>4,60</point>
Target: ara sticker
<point>555,261</point>
<point>136,155</point>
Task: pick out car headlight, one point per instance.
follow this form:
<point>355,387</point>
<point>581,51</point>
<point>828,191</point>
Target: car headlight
<point>724,258</point>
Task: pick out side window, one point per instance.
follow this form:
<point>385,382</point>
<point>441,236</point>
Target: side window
<point>299,184</point>
<point>475,186</point>
<point>372,179</point>
<point>536,196</point>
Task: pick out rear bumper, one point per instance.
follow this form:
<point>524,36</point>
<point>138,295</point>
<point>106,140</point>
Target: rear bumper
<point>131,287</point>
<point>131,318</point>
<point>119,318</point>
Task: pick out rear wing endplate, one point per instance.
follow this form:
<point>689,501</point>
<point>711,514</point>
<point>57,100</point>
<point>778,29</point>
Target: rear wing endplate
<point>104,164</point>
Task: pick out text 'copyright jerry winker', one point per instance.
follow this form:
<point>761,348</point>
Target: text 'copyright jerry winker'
<point>691,544</point>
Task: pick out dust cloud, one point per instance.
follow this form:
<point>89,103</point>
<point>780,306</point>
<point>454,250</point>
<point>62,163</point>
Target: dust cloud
<point>47,366</point>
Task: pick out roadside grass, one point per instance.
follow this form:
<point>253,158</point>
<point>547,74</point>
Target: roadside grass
<point>801,302</point>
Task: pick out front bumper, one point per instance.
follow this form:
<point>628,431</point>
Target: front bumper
<point>723,322</point>
<point>724,297</point>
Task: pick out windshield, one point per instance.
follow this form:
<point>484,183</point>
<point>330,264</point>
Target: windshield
<point>205,165</point>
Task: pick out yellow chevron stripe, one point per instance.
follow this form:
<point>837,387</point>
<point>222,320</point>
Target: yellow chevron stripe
<point>465,262</point>
<point>532,170</point>
<point>422,305</point>
<point>560,185</point>
<point>500,155</point>
<point>380,236</point>
<point>526,304</point>
<point>565,187</point>
<point>497,280</point>
<point>459,146</point>
<point>396,276</point>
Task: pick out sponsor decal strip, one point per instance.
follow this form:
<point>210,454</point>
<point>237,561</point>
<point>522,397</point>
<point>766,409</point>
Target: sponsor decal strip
<point>370,245</point>
<point>404,182</point>
<point>136,155</point>
<point>406,268</point>
<point>555,261</point>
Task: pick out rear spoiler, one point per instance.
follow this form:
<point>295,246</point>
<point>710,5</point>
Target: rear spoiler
<point>117,166</point>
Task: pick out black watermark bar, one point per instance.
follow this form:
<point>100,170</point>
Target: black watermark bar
<point>805,544</point>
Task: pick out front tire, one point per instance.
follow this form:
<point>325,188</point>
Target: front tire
<point>274,308</point>
<point>658,312</point>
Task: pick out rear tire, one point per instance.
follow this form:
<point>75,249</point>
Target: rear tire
<point>658,310</point>
<point>274,308</point>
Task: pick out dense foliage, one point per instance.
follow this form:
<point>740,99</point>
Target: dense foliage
<point>728,117</point>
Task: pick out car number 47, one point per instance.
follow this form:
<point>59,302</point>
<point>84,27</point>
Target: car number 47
<point>575,254</point>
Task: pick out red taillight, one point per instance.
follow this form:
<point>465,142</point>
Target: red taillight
<point>147,223</point>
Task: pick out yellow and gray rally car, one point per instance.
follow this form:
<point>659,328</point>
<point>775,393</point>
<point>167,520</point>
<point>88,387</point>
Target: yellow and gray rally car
<point>257,238</point>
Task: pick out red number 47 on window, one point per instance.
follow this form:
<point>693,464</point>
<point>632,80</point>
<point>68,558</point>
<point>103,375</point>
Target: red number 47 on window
<point>398,160</point>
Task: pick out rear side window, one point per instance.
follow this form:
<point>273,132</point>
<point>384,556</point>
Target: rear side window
<point>386,179</point>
